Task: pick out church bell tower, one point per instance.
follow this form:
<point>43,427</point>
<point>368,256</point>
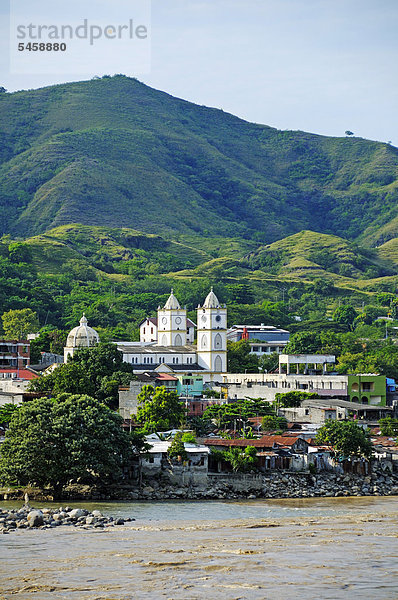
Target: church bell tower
<point>212,335</point>
<point>172,323</point>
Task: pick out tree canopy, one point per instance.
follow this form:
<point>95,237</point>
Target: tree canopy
<point>240,360</point>
<point>53,441</point>
<point>18,323</point>
<point>97,371</point>
<point>347,438</point>
<point>159,409</point>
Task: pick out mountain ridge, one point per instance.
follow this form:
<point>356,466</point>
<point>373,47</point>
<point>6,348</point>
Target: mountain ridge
<point>113,152</point>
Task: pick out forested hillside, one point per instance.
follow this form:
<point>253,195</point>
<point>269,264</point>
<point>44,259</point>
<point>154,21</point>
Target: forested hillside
<point>116,153</point>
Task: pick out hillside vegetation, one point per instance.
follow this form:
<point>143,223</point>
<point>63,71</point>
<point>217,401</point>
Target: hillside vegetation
<point>113,152</point>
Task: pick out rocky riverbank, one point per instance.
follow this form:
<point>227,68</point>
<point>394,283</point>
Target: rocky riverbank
<point>274,484</point>
<point>278,485</point>
<point>47,518</point>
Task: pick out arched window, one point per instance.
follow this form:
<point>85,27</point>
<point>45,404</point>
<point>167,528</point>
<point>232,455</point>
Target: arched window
<point>218,363</point>
<point>178,340</point>
<point>218,342</point>
<point>204,341</point>
<point>164,340</point>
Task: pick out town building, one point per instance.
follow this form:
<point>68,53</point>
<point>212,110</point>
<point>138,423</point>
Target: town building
<point>149,330</point>
<point>14,354</point>
<point>307,373</point>
<point>263,339</point>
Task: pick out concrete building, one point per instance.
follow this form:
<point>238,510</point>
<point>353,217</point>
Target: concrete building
<point>263,339</point>
<point>14,354</point>
<point>368,388</point>
<point>303,362</point>
<point>128,396</point>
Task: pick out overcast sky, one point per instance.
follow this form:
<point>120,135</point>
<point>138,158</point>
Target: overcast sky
<point>322,66</point>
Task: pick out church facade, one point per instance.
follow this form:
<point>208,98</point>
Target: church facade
<point>170,345</point>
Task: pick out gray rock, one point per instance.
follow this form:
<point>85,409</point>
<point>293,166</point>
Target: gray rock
<point>76,513</point>
<point>35,518</point>
<point>90,520</point>
<point>97,513</point>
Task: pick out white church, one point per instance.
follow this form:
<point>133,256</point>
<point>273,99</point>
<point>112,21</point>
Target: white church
<point>166,343</point>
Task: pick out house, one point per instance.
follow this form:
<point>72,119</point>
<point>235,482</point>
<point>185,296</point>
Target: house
<point>155,462</point>
<point>273,452</point>
<point>368,388</point>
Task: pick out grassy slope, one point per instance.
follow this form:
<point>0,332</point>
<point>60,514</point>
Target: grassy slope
<point>293,258</point>
<point>116,153</point>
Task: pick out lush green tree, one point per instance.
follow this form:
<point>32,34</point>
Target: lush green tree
<point>241,459</point>
<point>304,342</point>
<point>389,427</point>
<point>345,314</point>
<point>6,413</point>
<point>240,360</point>
<point>201,425</point>
<point>236,414</point>
<point>159,409</point>
<point>272,423</point>
<point>177,448</point>
<point>188,437</point>
<point>268,363</point>
<point>97,371</point>
<point>346,437</point>
<point>19,322</point>
<point>293,399</point>
<point>68,438</point>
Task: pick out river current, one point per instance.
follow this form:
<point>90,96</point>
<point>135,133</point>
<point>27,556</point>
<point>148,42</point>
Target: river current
<point>324,548</point>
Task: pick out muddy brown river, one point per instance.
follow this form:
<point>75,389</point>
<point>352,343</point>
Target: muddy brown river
<point>280,549</point>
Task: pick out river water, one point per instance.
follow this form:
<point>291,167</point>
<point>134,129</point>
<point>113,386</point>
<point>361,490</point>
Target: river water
<point>324,548</point>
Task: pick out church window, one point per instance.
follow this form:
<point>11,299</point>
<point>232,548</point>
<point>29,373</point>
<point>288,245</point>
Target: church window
<point>218,342</point>
<point>218,363</point>
<point>204,341</point>
<point>164,340</point>
<point>178,340</point>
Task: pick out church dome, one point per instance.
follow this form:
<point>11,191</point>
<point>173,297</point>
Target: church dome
<point>211,300</point>
<point>172,303</point>
<point>82,336</point>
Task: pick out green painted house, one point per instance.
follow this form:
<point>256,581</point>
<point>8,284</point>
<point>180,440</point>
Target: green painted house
<point>367,388</point>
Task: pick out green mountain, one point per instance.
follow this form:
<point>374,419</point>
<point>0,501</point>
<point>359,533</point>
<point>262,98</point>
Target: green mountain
<point>115,153</point>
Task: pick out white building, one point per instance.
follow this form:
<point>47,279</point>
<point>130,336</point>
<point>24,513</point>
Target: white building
<point>171,327</point>
<point>212,335</point>
<point>167,347</point>
<point>263,339</point>
<point>81,336</point>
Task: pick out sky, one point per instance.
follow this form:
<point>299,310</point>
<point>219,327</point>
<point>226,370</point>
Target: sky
<point>322,66</point>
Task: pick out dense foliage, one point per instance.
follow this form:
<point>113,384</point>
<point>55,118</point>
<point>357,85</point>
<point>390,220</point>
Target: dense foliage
<point>346,437</point>
<point>159,409</point>
<point>68,438</point>
<point>97,372</point>
<point>210,172</point>
<point>236,414</point>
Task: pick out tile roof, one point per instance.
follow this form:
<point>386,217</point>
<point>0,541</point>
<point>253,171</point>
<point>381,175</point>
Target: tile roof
<point>21,374</point>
